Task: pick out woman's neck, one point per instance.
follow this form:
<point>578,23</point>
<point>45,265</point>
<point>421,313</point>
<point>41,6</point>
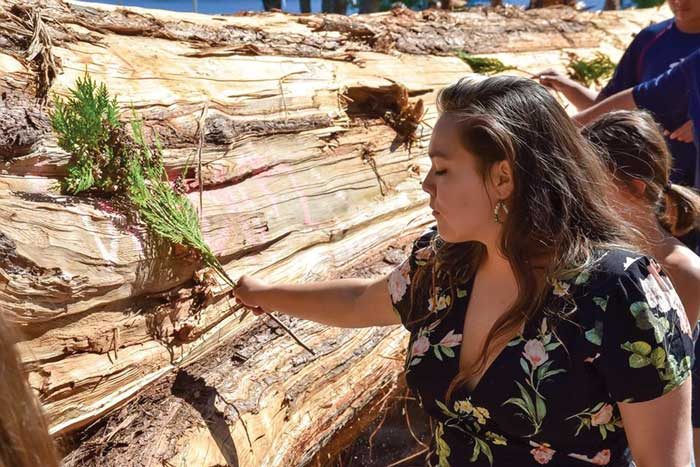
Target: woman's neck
<point>495,264</point>
<point>656,240</point>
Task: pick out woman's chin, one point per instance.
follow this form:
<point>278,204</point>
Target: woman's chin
<point>443,232</point>
<point>448,235</point>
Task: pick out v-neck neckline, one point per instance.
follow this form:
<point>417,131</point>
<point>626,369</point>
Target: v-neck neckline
<point>460,325</point>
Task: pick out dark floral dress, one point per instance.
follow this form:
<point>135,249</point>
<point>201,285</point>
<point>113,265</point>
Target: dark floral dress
<point>550,397</point>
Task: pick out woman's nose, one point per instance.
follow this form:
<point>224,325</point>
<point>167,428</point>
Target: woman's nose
<point>428,186</point>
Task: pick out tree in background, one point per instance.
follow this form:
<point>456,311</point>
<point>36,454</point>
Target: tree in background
<point>334,6</point>
<point>270,4</point>
<point>370,6</point>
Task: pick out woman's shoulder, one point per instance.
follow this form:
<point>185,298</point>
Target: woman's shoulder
<point>683,267</point>
<point>613,273</point>
<point>621,262</point>
<point>630,280</point>
<point>609,266</point>
<point>684,263</point>
<point>616,263</point>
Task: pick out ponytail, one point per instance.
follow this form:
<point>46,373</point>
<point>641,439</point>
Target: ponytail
<point>680,212</point>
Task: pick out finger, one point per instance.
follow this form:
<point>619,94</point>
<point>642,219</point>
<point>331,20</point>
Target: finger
<point>548,72</point>
<point>682,135</point>
<point>686,127</point>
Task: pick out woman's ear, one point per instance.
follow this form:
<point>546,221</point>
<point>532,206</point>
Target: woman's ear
<point>637,187</point>
<point>502,179</point>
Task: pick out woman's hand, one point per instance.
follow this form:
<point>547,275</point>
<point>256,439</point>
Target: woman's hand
<point>555,80</point>
<point>248,292</point>
<point>575,92</point>
<point>684,133</point>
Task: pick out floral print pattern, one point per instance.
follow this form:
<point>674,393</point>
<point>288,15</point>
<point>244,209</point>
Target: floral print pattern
<point>537,367</point>
<point>614,332</point>
<point>442,349</point>
<point>542,453</point>
<point>600,458</point>
<point>600,417</point>
<point>470,419</point>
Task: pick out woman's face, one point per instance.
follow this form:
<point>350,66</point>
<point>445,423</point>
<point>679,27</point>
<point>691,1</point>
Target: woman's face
<point>462,201</point>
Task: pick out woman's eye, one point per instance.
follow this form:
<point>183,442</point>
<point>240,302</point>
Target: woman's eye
<point>440,172</point>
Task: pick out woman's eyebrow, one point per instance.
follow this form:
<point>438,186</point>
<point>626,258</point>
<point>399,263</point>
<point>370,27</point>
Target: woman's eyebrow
<point>437,154</point>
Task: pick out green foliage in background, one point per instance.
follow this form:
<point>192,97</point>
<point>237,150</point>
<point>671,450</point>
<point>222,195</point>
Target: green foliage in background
<point>484,65</point>
<point>592,71</point>
<point>107,159</point>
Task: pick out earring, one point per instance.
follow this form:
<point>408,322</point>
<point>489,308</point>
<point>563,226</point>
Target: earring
<point>497,211</point>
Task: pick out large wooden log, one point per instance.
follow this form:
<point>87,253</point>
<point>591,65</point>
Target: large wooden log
<point>307,173</point>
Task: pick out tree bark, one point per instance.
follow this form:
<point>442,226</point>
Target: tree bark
<point>314,148</point>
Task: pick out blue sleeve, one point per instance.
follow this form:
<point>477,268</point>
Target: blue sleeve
<point>625,75</point>
<point>670,89</point>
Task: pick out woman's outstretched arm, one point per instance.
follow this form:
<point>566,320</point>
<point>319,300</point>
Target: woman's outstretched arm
<point>348,303</point>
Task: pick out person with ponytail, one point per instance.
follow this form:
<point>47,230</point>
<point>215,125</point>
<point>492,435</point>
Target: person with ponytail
<point>631,144</point>
<point>634,149</point>
<point>24,437</point>
<point>538,333</point>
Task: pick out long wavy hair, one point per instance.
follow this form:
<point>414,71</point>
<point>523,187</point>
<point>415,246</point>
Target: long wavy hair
<point>559,213</point>
<point>631,144</point>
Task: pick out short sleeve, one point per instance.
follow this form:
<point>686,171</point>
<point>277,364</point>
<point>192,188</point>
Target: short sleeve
<point>647,345</point>
<point>400,279</point>
<point>670,89</point>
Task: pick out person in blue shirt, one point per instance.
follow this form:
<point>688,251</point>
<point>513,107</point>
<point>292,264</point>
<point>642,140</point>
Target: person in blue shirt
<point>677,90</point>
<point>653,51</point>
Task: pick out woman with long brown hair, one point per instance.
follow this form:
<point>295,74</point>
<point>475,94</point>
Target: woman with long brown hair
<point>24,437</point>
<point>538,335</point>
